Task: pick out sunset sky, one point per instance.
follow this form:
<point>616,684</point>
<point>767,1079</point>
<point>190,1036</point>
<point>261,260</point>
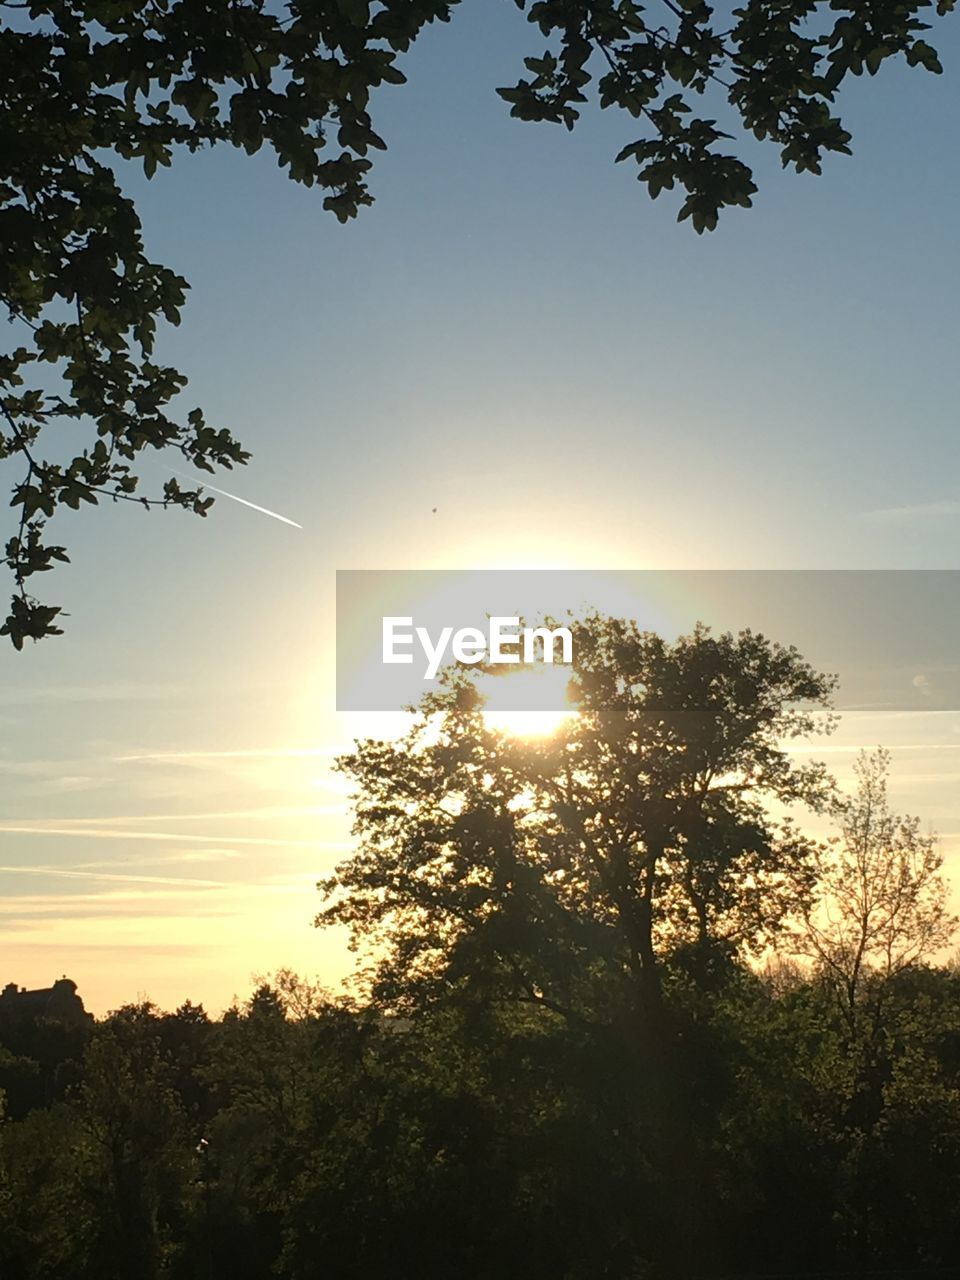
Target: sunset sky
<point>517,336</point>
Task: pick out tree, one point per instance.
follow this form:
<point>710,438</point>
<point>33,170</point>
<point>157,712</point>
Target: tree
<point>88,84</point>
<point>51,1205</point>
<point>563,877</point>
<point>881,902</point>
<point>553,871</point>
<point>135,1125</point>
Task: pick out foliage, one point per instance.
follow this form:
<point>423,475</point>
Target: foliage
<point>495,1142</point>
<point>86,85</point>
<point>519,1094</point>
<point>881,901</point>
<point>554,871</point>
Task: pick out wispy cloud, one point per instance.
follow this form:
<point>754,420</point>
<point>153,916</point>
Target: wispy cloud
<point>914,511</point>
<point>164,859</point>
<point>835,749</point>
<point>108,833</point>
<point>121,691</point>
<point>265,813</point>
<point>127,896</point>
<point>248,753</point>
<point>54,775</point>
<point>115,877</point>
<point>923,684</point>
<point>898,713</point>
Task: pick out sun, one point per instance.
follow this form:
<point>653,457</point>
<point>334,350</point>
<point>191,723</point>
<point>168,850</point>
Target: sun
<point>529,703</point>
<point>527,724</point>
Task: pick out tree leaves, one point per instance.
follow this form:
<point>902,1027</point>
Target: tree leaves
<point>640,827</point>
<point>134,82</point>
<point>85,85</point>
<point>774,74</point>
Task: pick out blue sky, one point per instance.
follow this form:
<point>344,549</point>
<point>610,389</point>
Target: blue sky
<point>516,335</point>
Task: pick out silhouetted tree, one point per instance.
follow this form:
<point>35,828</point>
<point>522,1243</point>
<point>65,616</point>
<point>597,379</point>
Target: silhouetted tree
<point>881,900</point>
<point>137,1131</point>
<point>562,875</point>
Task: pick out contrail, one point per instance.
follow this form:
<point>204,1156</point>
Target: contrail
<point>243,501</point>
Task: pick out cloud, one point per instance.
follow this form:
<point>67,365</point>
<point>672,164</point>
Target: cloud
<point>914,511</point>
<point>835,749</point>
<point>122,691</point>
<point>250,753</point>
<point>140,950</point>
<point>115,877</point>
<point>126,909</point>
<point>47,770</point>
<point>107,833</point>
<point>923,684</point>
<point>265,812</point>
<point>163,859</point>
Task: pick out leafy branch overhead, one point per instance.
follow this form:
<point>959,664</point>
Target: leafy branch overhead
<point>85,84</point>
<point>774,67</point>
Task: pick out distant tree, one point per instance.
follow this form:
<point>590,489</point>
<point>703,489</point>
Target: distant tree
<point>88,84</point>
<point>7,1061</point>
<point>51,1207</point>
<point>46,1055</point>
<point>186,1039</point>
<point>881,903</point>
<point>135,1127</point>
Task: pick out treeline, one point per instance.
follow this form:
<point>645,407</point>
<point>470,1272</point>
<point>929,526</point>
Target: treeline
<point>297,1137</point>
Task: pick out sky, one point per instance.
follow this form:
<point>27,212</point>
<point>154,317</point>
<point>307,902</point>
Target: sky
<point>515,335</point>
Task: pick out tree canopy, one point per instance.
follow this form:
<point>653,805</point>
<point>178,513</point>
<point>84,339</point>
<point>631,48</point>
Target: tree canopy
<point>881,899</point>
<point>88,84</point>
<point>550,870</point>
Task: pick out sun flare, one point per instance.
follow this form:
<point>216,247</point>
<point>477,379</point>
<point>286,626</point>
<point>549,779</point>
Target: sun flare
<point>529,703</point>
<point>527,724</point>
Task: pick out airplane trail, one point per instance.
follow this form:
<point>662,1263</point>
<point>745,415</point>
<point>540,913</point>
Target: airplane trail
<point>243,501</point>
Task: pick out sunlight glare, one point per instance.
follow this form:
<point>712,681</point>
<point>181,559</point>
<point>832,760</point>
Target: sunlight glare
<point>528,703</point>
